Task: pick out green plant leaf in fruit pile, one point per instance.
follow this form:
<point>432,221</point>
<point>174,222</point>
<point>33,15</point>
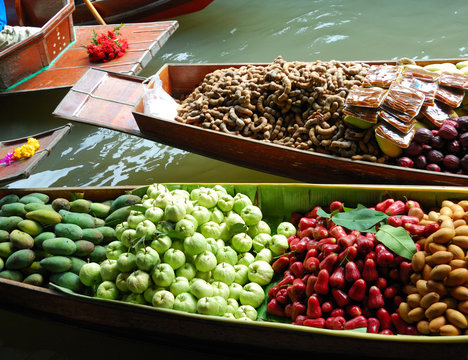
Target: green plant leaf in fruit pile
<point>361,218</point>
<point>139,208</point>
<point>262,313</point>
<point>396,239</point>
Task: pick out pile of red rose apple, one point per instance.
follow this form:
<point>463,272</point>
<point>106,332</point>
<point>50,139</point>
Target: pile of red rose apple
<point>389,269</point>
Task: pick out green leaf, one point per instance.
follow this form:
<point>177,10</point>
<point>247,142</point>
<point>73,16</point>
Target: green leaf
<point>360,330</point>
<point>139,242</point>
<point>361,218</point>
<point>397,239</point>
<point>238,228</point>
<point>139,208</point>
<point>323,213</point>
<point>140,191</point>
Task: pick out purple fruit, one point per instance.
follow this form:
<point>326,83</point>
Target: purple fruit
<point>414,149</point>
<point>435,156</point>
<point>464,162</point>
<point>452,122</point>
<point>462,123</point>
<point>451,162</point>
<point>448,132</point>
<point>420,162</point>
<point>405,162</point>
<point>422,135</point>
<point>426,148</point>
<point>437,142</point>
<point>464,139</point>
<point>433,167</point>
<point>454,147</point>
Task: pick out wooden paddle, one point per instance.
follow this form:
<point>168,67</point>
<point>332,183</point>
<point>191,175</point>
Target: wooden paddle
<point>94,12</point>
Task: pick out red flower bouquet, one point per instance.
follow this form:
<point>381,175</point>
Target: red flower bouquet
<point>107,46</point>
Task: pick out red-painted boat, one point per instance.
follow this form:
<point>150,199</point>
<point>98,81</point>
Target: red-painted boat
<point>56,57</point>
<point>118,11</point>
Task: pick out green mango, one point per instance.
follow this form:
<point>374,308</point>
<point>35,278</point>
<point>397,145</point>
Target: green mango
<point>20,259</point>
<point>124,200</point>
<point>30,227</point>
<point>4,236</point>
<point>118,216</point>
<point>108,234</point>
<point>60,204</point>
<point>83,248</point>
<point>11,275</point>
<point>39,239</point>
<point>85,221</point>
<point>77,263</point>
<point>21,240</point>
<point>27,199</point>
<point>36,206</point>
<point>67,280</point>
<point>45,216</point>
<point>99,210</point>
<point>34,279</point>
<point>8,199</point>
<point>41,196</point>
<point>9,223</point>
<point>6,249</point>
<point>80,206</point>
<point>14,209</point>
<point>71,231</point>
<point>59,246</point>
<point>93,235</point>
<point>56,264</point>
<point>98,255</point>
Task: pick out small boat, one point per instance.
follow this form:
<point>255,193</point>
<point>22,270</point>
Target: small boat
<point>22,168</point>
<point>120,11</point>
<point>56,55</point>
<point>148,323</point>
<point>127,114</point>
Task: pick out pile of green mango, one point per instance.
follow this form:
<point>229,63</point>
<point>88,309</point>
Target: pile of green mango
<point>44,240</point>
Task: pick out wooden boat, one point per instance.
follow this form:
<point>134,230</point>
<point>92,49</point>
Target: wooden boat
<point>56,56</point>
<point>120,11</point>
<point>179,80</point>
<point>22,168</point>
<point>148,323</point>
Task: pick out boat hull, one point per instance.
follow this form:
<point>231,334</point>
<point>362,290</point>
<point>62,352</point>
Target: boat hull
<point>181,79</point>
<point>145,322</point>
<point>117,11</point>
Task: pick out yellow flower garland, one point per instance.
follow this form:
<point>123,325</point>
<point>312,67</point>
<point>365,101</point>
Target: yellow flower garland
<point>26,150</point>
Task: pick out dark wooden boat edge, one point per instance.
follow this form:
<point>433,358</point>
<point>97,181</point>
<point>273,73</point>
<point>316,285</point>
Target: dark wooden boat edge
<point>29,165</point>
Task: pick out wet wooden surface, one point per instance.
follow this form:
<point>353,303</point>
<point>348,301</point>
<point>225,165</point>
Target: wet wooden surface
<point>145,40</point>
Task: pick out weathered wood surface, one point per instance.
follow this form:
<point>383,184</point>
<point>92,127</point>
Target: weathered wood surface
<point>145,40</point>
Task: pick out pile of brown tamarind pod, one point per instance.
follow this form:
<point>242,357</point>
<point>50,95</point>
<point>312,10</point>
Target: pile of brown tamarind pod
<point>296,104</point>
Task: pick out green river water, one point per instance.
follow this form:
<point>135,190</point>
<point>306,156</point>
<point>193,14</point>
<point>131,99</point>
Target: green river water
<point>226,31</point>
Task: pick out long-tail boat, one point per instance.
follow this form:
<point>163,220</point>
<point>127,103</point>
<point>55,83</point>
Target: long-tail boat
<point>123,110</point>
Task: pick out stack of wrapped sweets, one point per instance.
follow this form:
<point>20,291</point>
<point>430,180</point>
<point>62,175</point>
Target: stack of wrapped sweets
<point>394,97</point>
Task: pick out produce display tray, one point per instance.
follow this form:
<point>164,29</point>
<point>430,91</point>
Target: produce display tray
<point>278,202</point>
